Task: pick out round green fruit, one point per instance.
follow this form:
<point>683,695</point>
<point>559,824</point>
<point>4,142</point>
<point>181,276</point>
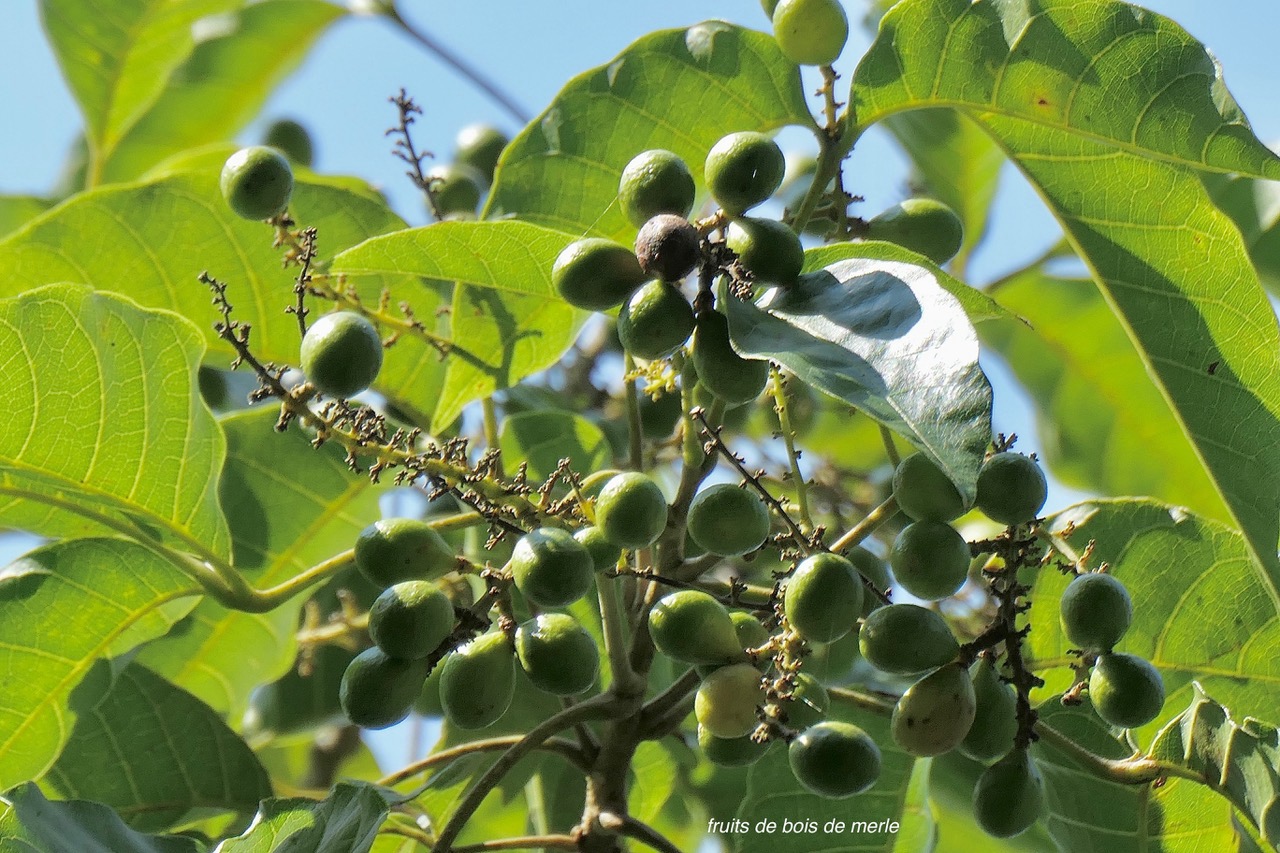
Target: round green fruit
<point>721,371</point>
<point>906,639</point>
<point>1095,611</point>
<point>378,691</point>
<point>480,146</point>
<point>751,634</point>
<point>428,702</point>
<point>728,520</point>
<point>557,654</point>
<point>291,139</point>
<point>411,619</point>
<point>823,598</point>
<point>726,702</point>
<point>1009,795</point>
<point>692,627</point>
<point>930,559</point>
<point>742,170</point>
<point>731,752</point>
<point>604,554</point>
<point>455,188</point>
<point>1011,488</point>
<point>808,703</point>
<point>936,712</point>
<point>1126,690</point>
<point>654,182</point>
<point>871,568</point>
<point>668,247</point>
<point>810,32</point>
<point>631,510</point>
<point>835,760</point>
<point>341,354</point>
<point>925,493</point>
<point>767,248</point>
<point>478,681</point>
<point>658,418</point>
<point>995,721</point>
<point>402,549</point>
<point>596,274</point>
<point>768,6</point>
<point>257,182</point>
<point>921,225</point>
<point>655,321</point>
<point>551,568</point>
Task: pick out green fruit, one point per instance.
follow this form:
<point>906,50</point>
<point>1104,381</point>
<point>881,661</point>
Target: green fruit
<point>995,721</point>
<point>751,634</point>
<point>291,139</point>
<point>1095,611</point>
<point>658,418</point>
<point>631,511</point>
<point>742,170</point>
<point>428,702</point>
<point>654,182</point>
<point>378,691</point>
<point>1126,690</point>
<point>455,188</point>
<point>257,182</point>
<point>726,702</point>
<point>925,493</point>
<point>692,627</point>
<point>766,247</point>
<point>596,274</point>
<point>401,549</point>
<point>551,568</point>
<point>478,681</point>
<point>557,654</point>
<point>835,760</point>
<point>655,321</point>
<point>823,599</point>
<point>930,559</point>
<point>728,520</point>
<point>341,354</point>
<point>768,6</point>
<point>808,703</point>
<point>480,146</point>
<point>906,639</point>
<point>411,619</point>
<point>731,752</point>
<point>810,32</point>
<point>935,713</point>
<point>1011,488</point>
<point>1009,795</point>
<point>668,247</point>
<point>604,554</point>
<point>871,568</point>
<point>922,225</point>
<point>594,483</point>
<point>721,371</point>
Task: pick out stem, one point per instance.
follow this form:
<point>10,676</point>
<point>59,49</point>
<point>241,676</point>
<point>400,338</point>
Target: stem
<point>566,748</point>
<point>528,842</point>
<point>646,835</point>
<point>635,433</point>
<point>788,438</point>
<point>876,704</point>
<point>614,621</point>
<point>1126,771</point>
<point>890,449</point>
<point>491,431</point>
<point>669,698</point>
<point>867,526</point>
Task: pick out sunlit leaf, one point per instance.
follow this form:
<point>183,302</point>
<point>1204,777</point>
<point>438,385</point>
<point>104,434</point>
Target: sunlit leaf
<point>344,822</point>
<point>31,824</point>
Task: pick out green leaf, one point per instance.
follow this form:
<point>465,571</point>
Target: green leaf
<point>106,430</point>
<point>1102,425</point>
<point>1085,812</point>
<point>1100,70</point>
<point>18,210</point>
<point>507,319</point>
<point>1254,206</point>
<point>64,607</point>
<point>544,438</point>
<point>154,752</point>
<point>344,822</point>
<point>563,169</point>
<point>117,55</point>
<point>1181,571</point>
<point>290,506</point>
<point>1241,761</point>
<point>32,824</point>
<point>224,82</point>
<point>886,337</point>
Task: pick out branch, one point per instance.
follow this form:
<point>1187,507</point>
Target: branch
<point>789,440</point>
<point>566,748</point>
<point>669,698</point>
<point>528,842</point>
<point>645,834</point>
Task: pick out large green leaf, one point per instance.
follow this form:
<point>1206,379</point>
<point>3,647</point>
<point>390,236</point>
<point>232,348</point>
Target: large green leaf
<point>117,55</point>
<point>1102,425</point>
<point>1254,206</point>
<point>32,824</point>
<point>223,83</point>
<point>18,210</point>
<point>507,319</point>
<point>1203,610</point>
<point>63,608</point>
<point>563,169</point>
<point>544,438</point>
<point>1101,70</point>
<point>154,752</point>
<point>290,506</point>
<point>888,338</point>
<point>344,822</point>
<point>105,428</point>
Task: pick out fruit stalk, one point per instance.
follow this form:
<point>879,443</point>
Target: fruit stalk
<point>789,440</point>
